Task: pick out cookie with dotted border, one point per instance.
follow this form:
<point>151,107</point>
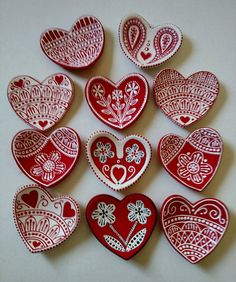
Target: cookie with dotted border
<point>118,163</point>
<point>43,221</point>
<point>148,46</point>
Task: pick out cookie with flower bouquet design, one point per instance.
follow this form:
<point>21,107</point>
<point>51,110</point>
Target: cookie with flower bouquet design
<point>185,100</point>
<point>123,226</point>
<point>43,221</point>
<point>41,104</point>
<point>192,161</point>
<point>118,163</point>
<point>120,104</point>
<point>148,46</point>
<point>46,159</point>
<point>194,229</point>
<point>75,49</point>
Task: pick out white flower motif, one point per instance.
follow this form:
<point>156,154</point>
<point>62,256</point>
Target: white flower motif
<point>132,88</point>
<point>48,166</point>
<point>117,95</point>
<point>103,152</point>
<point>97,90</point>
<point>195,168</point>
<point>138,212</point>
<point>133,154</point>
<point>104,214</point>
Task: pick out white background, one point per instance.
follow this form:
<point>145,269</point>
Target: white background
<point>209,44</point>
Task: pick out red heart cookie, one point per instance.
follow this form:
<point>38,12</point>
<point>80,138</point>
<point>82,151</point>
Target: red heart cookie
<point>42,221</point>
<point>148,46</point>
<point>118,163</point>
<point>192,161</point>
<point>117,105</point>
<point>46,160</point>
<point>194,230</point>
<point>123,226</point>
<point>78,48</point>
<point>185,100</point>
<point>41,104</point>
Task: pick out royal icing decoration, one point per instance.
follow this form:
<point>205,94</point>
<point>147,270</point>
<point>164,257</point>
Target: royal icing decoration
<point>42,221</point>
<point>118,163</point>
<point>41,104</point>
<point>192,161</point>
<point>185,100</point>
<point>148,46</point>
<point>78,48</point>
<point>194,230</point>
<point>122,226</point>
<point>46,159</point>
<point>117,105</point>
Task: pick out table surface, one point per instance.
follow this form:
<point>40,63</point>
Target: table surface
<point>209,44</point>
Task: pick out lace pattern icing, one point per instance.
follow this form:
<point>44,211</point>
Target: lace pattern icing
<point>77,48</point>
<point>28,142</point>
<point>194,230</point>
<point>170,145</point>
<point>207,140</point>
<point>66,140</point>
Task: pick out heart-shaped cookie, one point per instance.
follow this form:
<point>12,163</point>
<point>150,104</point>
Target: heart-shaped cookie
<point>185,100</point>
<point>78,48</point>
<point>148,46</point>
<point>118,163</point>
<point>117,105</point>
<point>42,221</point>
<point>194,230</point>
<point>41,104</point>
<point>122,226</point>
<point>46,159</point>
<point>192,161</point>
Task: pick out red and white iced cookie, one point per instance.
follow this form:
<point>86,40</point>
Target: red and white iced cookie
<point>148,46</point>
<point>41,104</point>
<point>194,229</point>
<point>122,226</point>
<point>120,104</point>
<point>192,161</point>
<point>185,100</point>
<point>118,163</point>
<point>75,49</point>
<point>46,159</point>
<point>42,221</point>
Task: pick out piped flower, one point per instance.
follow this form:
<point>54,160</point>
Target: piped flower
<point>134,154</point>
<point>138,212</point>
<point>193,167</point>
<point>103,152</point>
<point>48,166</point>
<point>104,214</point>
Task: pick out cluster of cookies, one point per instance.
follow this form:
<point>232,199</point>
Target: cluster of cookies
<point>123,226</point>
